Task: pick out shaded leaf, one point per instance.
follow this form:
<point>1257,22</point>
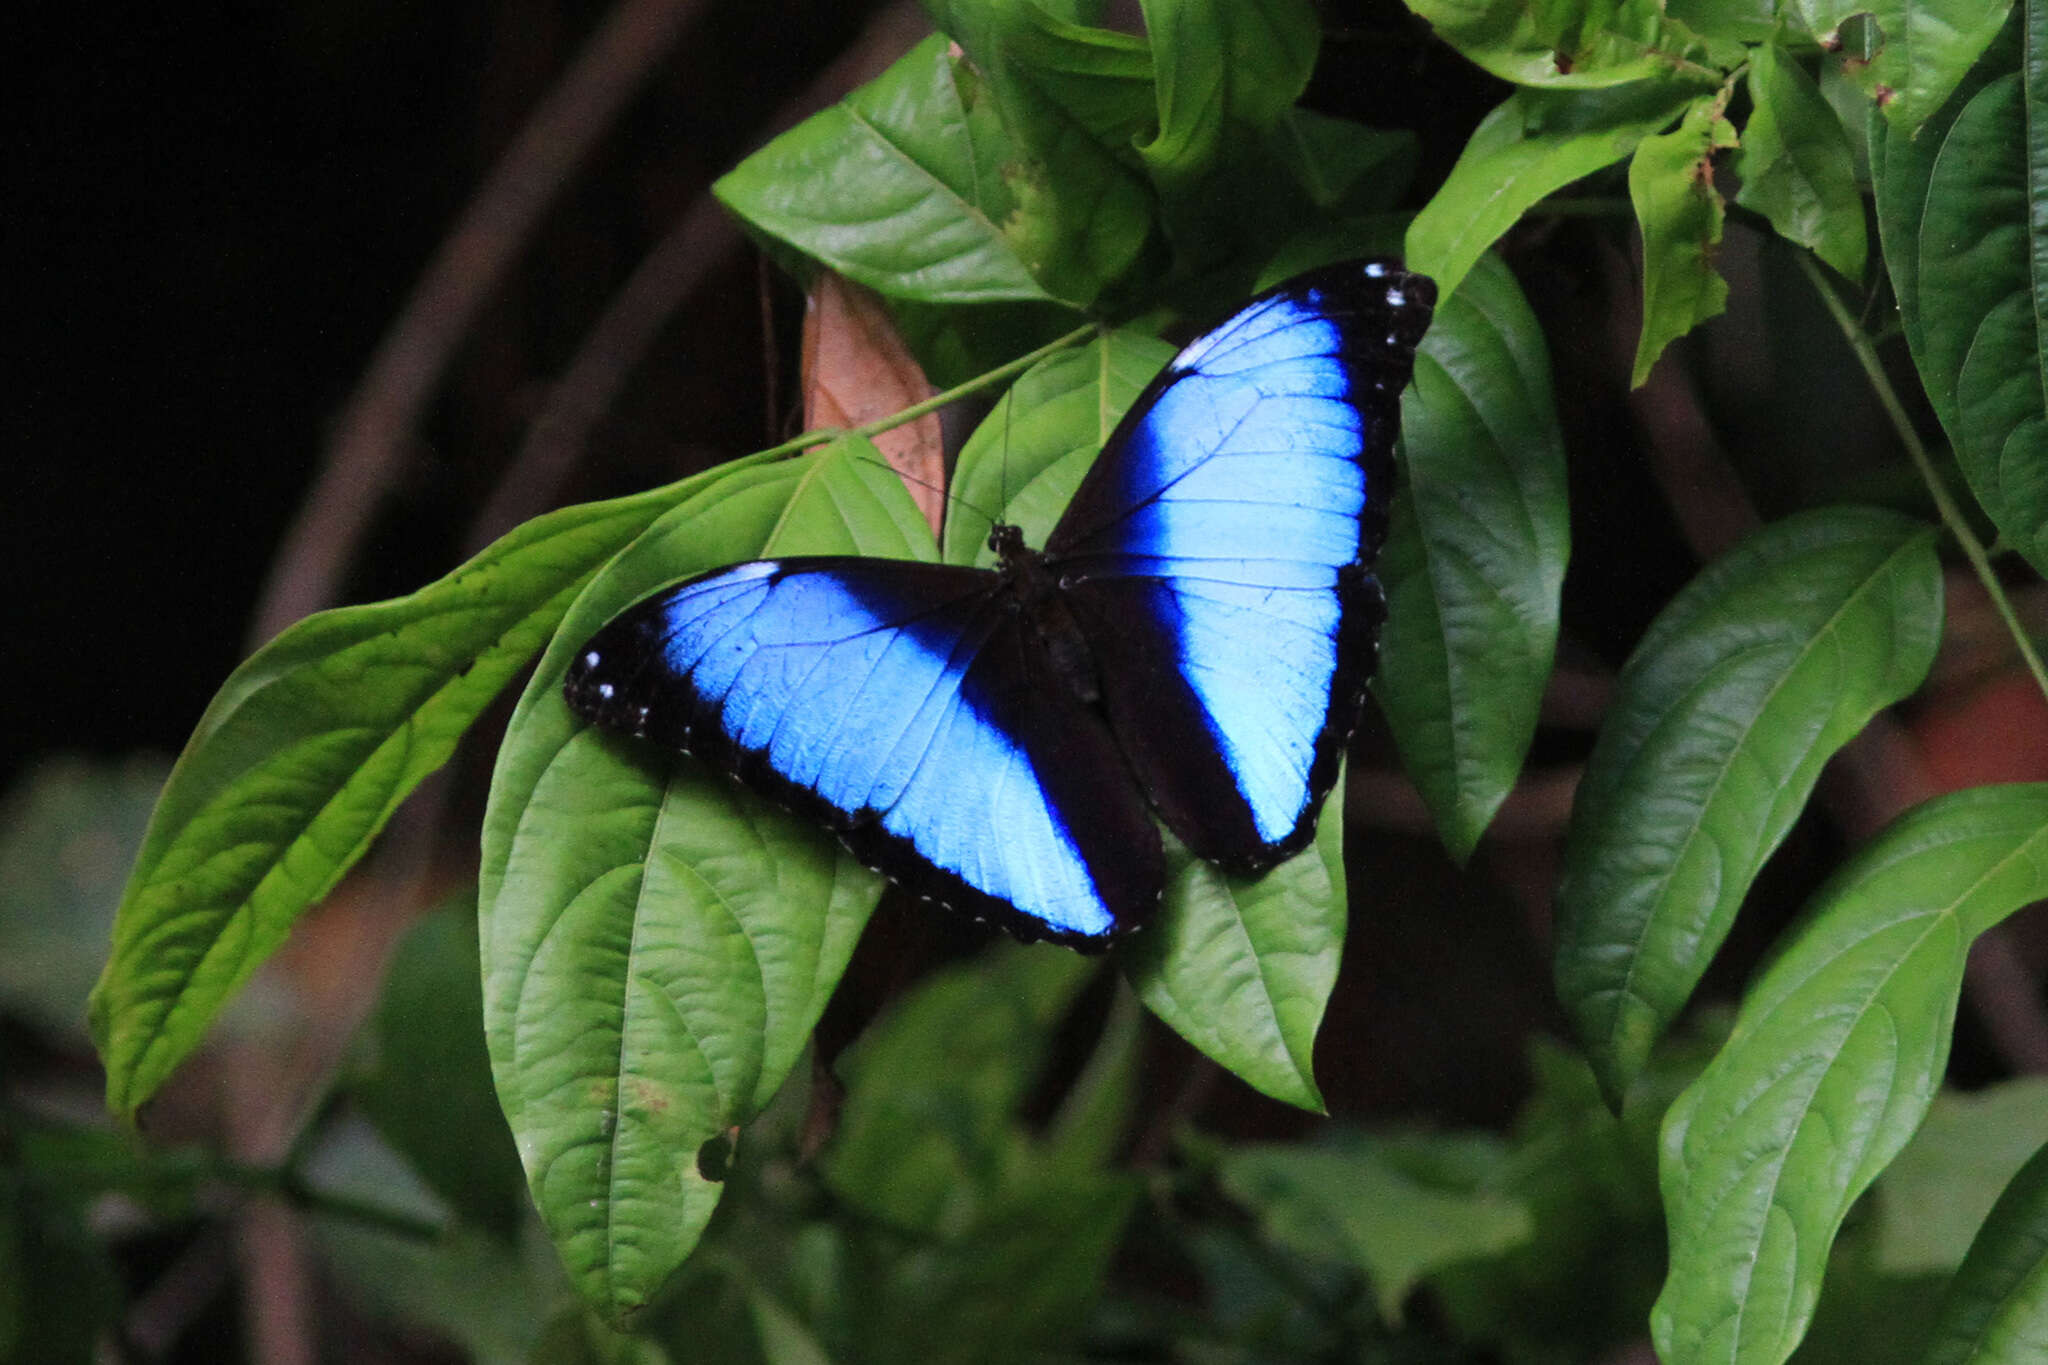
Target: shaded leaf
<point>69,831</point>
<point>657,943</point>
<point>1671,181</point>
<point>1377,1203</point>
<point>1835,1057</point>
<point>1534,143</point>
<point>1476,556</point>
<point>1954,210</point>
<point>933,1087</point>
<point>899,186</point>
<point>1797,166</point>
<point>425,1081</point>
<point>1996,1309</point>
<point>1747,682</point>
<point>1223,66</point>
<point>1935,1195</point>
<point>1242,967</point>
<point>300,759</point>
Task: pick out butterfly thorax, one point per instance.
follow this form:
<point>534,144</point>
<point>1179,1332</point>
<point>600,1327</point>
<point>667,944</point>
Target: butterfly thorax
<point>1033,590</point>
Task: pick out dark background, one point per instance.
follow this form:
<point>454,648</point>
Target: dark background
<point>215,211</point>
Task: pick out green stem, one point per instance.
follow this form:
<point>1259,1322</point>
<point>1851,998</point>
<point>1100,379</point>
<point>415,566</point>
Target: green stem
<point>818,436</point>
<point>1944,501</point>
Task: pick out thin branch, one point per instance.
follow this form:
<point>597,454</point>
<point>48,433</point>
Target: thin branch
<point>1944,502</point>
<point>364,454</point>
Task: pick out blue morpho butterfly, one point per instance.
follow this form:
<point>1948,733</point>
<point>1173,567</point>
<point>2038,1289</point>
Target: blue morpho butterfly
<point>1196,634</point>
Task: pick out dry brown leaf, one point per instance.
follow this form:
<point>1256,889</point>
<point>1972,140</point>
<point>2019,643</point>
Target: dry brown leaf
<point>857,370</point>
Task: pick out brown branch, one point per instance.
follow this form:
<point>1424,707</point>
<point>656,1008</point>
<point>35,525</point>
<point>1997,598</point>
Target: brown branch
<point>658,287</point>
<point>364,454</point>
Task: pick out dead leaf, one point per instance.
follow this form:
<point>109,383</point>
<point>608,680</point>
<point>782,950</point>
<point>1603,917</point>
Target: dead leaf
<point>857,370</point>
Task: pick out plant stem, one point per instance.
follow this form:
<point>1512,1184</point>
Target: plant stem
<point>1944,501</point>
<point>818,436</point>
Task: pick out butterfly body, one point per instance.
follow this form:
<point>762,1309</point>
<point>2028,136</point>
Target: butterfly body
<point>1194,638</point>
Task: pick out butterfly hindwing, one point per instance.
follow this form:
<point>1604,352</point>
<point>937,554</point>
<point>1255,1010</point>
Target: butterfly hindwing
<point>1217,555</point>
<point>909,708</point>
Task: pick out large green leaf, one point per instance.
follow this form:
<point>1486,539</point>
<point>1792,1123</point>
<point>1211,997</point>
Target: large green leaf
<point>1956,211</point>
<point>1671,181</point>
<point>1027,457</point>
<point>1768,662</point>
<point>1996,1309</point>
<point>1797,166</point>
<point>657,944</point>
<point>1572,44</point>
<point>1476,556</point>
<point>901,186</point>
<point>1242,967</point>
<point>301,758</point>
<point>1536,142</point>
<point>1927,46</point>
<point>1836,1054</point>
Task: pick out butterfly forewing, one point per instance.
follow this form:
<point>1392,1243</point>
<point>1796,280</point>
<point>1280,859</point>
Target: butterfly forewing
<point>905,706</point>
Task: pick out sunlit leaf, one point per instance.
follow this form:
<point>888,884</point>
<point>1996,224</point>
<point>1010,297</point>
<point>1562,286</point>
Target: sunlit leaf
<point>1797,166</point>
<point>301,759</point>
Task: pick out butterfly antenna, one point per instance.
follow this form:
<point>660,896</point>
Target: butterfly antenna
<point>946,494</point>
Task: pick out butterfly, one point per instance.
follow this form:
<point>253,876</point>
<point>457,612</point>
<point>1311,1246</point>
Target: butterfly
<point>1194,639</point>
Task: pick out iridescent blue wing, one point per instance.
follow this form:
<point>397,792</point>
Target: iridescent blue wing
<point>1218,555</point>
<point>907,707</point>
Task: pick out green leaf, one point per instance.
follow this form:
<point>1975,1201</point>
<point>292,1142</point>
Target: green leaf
<point>1568,44</point>
<point>1476,556</point>
<point>1223,67</point>
<point>1227,73</point>
<point>1029,454</point>
<point>1954,211</point>
<point>1927,47</point>
<point>1378,1203</point>
<point>934,1086</point>
<point>1242,967</point>
<point>1769,661</point>
<point>425,1081</point>
<point>901,186</point>
<point>301,758</point>
<point>1084,210</point>
<point>1797,166</point>
<point>1835,1056</point>
<point>1345,167</point>
<point>1535,143</point>
<point>1996,1309</point>
<point>1671,181</point>
<point>1936,1194</point>
<point>657,943</point>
